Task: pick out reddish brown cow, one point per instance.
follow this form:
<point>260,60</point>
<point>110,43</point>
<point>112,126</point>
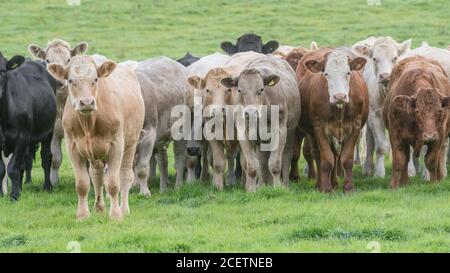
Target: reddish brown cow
<point>416,114</point>
<point>334,109</point>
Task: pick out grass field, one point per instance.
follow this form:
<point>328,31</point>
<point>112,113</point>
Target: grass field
<point>197,218</point>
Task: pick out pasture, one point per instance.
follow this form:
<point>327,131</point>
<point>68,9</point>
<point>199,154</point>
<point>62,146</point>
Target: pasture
<point>198,218</point>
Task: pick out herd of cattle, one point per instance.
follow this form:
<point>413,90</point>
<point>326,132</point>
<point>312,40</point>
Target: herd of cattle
<point>116,117</point>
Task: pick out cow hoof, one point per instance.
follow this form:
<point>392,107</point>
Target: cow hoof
<point>125,210</point>
<point>99,207</point>
<point>83,214</point>
<point>411,171</point>
<point>367,170</point>
<point>116,215</point>
<point>145,193</point>
<point>14,198</point>
<point>380,173</point>
<point>230,180</point>
<point>54,179</point>
<point>348,188</point>
<point>48,188</point>
<point>426,175</point>
<point>325,189</point>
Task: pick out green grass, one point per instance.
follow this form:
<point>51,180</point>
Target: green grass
<point>197,218</point>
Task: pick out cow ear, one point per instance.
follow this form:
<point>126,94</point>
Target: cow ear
<point>315,66</point>
<point>57,71</point>
<point>446,102</point>
<point>358,63</point>
<point>229,82</point>
<point>15,62</point>
<point>196,82</point>
<point>36,51</point>
<point>313,46</point>
<point>106,69</point>
<point>404,102</point>
<point>271,80</point>
<point>364,50</point>
<point>80,49</point>
<point>270,47</point>
<point>404,47</point>
<point>228,47</point>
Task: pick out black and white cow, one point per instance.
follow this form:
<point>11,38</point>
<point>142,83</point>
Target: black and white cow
<point>27,116</point>
<point>249,42</point>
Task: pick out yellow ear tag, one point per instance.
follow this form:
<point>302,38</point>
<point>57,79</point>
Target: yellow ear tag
<point>271,83</point>
<point>14,66</point>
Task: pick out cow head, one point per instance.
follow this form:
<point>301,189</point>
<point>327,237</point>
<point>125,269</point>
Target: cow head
<point>8,65</point>
<point>57,52</point>
<point>249,42</point>
<point>384,54</point>
<point>83,76</point>
<point>430,111</point>
<point>250,86</point>
<point>337,69</point>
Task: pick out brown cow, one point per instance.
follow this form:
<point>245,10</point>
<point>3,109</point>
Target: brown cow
<point>334,109</point>
<point>102,120</point>
<point>416,114</point>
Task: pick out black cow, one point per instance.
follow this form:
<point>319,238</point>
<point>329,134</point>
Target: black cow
<point>249,42</point>
<point>27,116</point>
<point>188,59</point>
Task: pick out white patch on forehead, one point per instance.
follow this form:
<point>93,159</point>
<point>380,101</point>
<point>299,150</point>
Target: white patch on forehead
<point>336,62</point>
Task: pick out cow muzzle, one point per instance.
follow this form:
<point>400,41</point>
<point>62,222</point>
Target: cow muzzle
<point>429,137</point>
<point>383,79</point>
<point>87,105</point>
<point>340,99</point>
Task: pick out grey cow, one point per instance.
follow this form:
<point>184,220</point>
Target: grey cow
<point>269,81</point>
<point>163,84</point>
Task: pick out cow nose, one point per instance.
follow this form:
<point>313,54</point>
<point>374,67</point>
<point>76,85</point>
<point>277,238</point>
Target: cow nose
<point>430,137</point>
<point>384,78</point>
<point>87,102</point>
<point>193,151</point>
<point>340,97</point>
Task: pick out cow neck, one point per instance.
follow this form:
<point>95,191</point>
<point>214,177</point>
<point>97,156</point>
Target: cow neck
<point>87,124</point>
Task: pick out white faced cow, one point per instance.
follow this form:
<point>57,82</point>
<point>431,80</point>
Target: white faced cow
<point>382,54</point>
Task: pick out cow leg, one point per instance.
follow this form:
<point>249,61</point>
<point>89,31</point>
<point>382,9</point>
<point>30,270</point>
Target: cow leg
<point>191,164</point>
<point>326,157</point>
<point>443,161</point>
<point>29,162</point>
<point>357,159</point>
<point>381,143</point>
<point>56,159</point>
<point>161,158</point>
<point>404,177</point>
<point>263,172</point>
<point>309,157</point>
<point>276,156</point>
<point>126,178</point>
<point>432,158</point>
<point>152,170</point>
<point>204,176</point>
<point>46,158</point>
<point>81,179</point>
<point>143,156</point>
<point>347,156</point>
<point>287,155</point>
<point>112,178</point>
<point>398,162</point>
<point>96,172</point>
<point>217,148</point>
<point>231,154</point>
<point>179,151</point>
<point>15,167</point>
<point>3,181</point>
<point>296,151</point>
<point>370,149</point>
<point>413,165</point>
<point>252,165</point>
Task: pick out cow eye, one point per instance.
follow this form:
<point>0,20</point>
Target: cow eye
<point>70,81</point>
<point>96,79</point>
<point>239,90</point>
<point>395,59</point>
<point>47,61</point>
<point>325,74</point>
<point>374,59</point>
<point>349,73</point>
<point>229,89</point>
<point>68,60</point>
<point>208,91</point>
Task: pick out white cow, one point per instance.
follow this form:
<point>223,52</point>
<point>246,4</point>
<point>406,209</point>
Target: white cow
<point>193,99</point>
<point>382,54</point>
